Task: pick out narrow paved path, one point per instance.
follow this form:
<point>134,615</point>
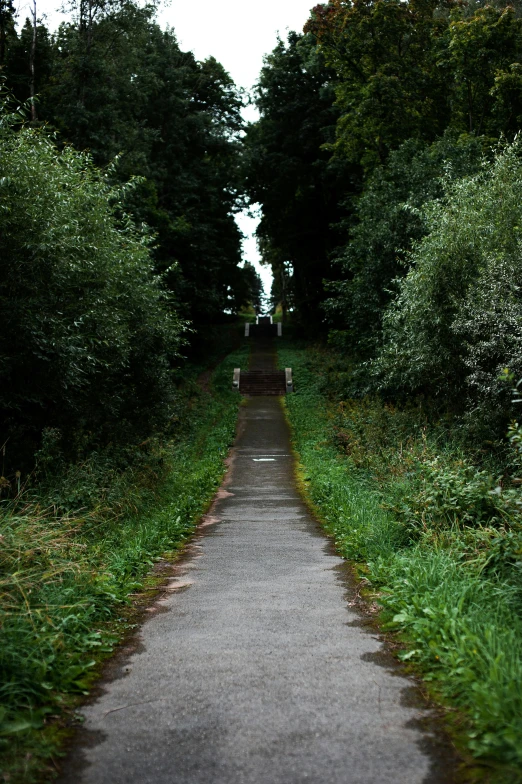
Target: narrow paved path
<point>253,669</point>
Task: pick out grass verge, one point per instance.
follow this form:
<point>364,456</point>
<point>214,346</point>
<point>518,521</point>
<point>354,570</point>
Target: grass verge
<point>73,555</point>
<point>439,545</point>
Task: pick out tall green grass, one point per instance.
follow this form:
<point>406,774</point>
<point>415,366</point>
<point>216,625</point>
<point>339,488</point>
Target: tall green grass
<point>73,551</point>
<point>439,547</point>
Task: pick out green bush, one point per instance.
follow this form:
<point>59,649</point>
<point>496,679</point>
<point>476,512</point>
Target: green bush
<point>452,493</point>
<point>489,324</point>
<point>456,321</point>
<point>88,338</point>
<point>388,219</point>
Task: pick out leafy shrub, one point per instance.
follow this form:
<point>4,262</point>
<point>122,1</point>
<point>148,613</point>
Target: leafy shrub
<point>489,324</point>
<point>428,483</point>
<point>388,219</point>
<point>88,338</point>
<point>472,228</point>
<point>450,493</point>
<point>371,431</point>
<point>456,319</point>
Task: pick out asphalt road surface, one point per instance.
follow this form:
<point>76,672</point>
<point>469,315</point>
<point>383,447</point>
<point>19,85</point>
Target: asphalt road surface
<point>253,667</point>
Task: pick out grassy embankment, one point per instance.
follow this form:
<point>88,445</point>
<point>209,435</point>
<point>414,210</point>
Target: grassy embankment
<point>73,555</point>
<point>440,549</point>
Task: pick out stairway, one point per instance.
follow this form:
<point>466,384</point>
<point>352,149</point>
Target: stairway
<point>262,377</point>
<point>263,330</point>
<point>262,382</point>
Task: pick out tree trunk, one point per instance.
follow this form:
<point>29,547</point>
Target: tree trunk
<point>2,38</point>
<point>6,15</point>
<point>283,294</point>
<point>470,106</point>
<point>31,63</point>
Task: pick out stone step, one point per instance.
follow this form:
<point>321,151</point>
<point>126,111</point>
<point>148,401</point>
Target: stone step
<point>265,384</point>
<point>258,392</point>
<point>243,387</point>
<point>262,379</point>
<point>263,372</point>
<point>263,330</point>
<point>262,382</point>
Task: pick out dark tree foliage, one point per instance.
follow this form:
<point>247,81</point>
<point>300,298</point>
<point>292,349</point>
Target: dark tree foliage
<point>422,87</point>
<point>378,128</point>
<point>7,14</point>
<point>254,288</point>
<point>289,172</point>
<point>386,221</point>
<point>98,275</point>
<point>18,57</point>
<point>124,86</point>
<point>411,69</point>
<point>391,83</point>
<point>456,321</point>
<point>113,83</point>
<point>88,338</point>
<point>483,52</point>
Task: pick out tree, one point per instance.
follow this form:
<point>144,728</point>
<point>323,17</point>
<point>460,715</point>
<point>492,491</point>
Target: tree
<point>254,285</point>
<point>88,337</point>
<point>482,52</point>
<point>289,173</point>
<point>456,320</point>
<point>386,222</point>
<point>390,84</point>
<point>28,62</point>
<point>7,14</point>
<point>32,58</point>
<point>122,87</point>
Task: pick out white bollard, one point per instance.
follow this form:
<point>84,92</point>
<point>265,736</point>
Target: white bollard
<point>236,378</point>
<point>288,379</point>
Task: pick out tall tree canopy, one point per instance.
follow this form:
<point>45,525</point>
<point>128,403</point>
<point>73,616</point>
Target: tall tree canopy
<point>375,120</point>
<point>112,82</point>
<point>116,221</point>
<point>391,82</point>
<point>290,174</point>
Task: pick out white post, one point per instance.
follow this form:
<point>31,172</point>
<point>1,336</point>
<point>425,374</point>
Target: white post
<point>247,329</point>
<point>279,329</point>
<point>288,379</point>
<point>236,378</point>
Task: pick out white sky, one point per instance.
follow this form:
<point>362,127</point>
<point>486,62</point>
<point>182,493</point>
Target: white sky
<point>237,33</point>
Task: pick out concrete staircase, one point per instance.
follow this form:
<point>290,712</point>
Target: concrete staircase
<point>263,330</point>
<point>262,377</point>
<point>262,382</point>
